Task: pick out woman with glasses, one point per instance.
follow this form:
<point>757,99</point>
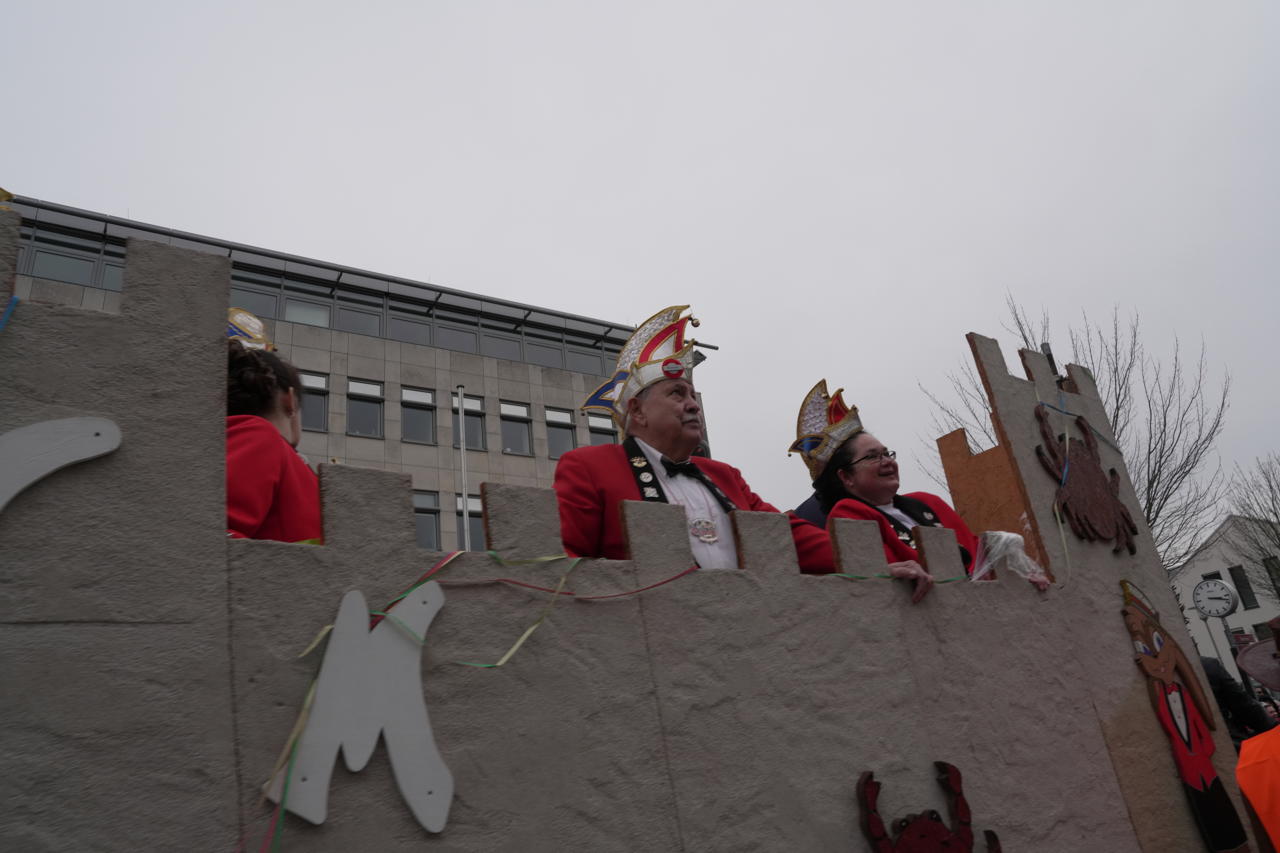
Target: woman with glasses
<point>855,476</point>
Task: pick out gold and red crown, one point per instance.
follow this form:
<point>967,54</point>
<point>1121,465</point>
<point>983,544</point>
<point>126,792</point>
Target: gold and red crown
<point>656,350</point>
<point>248,329</point>
<point>824,423</point>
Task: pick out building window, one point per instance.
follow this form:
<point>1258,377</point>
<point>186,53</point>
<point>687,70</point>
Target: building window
<point>1240,580</point>
<point>517,436</point>
<point>364,408</point>
<point>475,520</point>
<point>1272,565</point>
<point>561,436</point>
<point>360,322</point>
<point>601,429</point>
<point>315,401</point>
<point>418,415</point>
<point>475,421</point>
<point>410,332</point>
<point>58,267</point>
<point>307,313</point>
<point>426,519</point>
<point>262,305</point>
<point>1262,631</point>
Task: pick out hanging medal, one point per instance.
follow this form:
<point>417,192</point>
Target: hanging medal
<point>704,530</point>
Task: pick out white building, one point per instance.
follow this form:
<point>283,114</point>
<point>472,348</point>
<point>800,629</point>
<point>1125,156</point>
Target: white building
<point>1224,556</point>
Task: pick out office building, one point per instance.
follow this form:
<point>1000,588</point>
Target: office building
<point>381,359</point>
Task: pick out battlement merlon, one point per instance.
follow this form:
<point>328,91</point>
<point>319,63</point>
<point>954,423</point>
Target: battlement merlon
<point>1006,487</point>
<point>522,523</point>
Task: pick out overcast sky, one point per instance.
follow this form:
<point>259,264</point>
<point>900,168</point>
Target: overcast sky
<point>840,189</point>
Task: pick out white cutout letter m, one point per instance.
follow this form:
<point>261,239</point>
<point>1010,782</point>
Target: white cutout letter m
<point>369,684</point>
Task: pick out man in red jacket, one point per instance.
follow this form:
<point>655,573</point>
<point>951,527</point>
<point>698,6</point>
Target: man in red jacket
<point>652,399</point>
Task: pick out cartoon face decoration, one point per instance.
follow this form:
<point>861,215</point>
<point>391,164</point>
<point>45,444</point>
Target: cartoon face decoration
<point>1183,710</point>
<point>1154,654</point>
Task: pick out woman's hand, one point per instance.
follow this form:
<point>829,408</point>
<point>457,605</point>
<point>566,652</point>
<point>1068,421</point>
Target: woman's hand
<point>911,570</point>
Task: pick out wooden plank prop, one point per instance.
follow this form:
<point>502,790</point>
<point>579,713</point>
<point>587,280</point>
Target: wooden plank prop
<point>1171,680</point>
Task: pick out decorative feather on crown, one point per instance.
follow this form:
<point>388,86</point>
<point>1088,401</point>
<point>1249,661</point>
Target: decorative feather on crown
<point>825,423</point>
<point>656,350</point>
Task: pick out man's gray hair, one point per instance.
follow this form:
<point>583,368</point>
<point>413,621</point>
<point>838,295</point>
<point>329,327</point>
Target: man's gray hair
<point>626,415</point>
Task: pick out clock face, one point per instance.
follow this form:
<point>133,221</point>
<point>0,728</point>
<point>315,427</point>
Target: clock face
<point>1214,598</point>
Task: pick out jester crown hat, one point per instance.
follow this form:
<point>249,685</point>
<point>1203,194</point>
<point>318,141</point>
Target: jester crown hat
<point>825,423</point>
<point>656,350</point>
<point>248,330</point>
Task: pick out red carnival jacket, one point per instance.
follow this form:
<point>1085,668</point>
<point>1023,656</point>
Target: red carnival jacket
<point>271,493</point>
<point>592,482</point>
<point>897,551</point>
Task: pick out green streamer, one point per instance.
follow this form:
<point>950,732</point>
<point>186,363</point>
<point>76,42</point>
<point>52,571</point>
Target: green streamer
<point>399,623</point>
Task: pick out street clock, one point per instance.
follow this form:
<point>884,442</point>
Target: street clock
<point>1213,597</point>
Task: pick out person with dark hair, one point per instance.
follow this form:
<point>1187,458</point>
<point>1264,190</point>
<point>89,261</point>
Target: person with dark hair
<point>854,476</point>
<point>1244,715</point>
<point>271,492</point>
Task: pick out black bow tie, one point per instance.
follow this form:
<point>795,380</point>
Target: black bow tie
<point>675,469</point>
<point>692,471</point>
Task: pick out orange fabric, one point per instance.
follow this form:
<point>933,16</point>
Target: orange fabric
<point>1258,773</point>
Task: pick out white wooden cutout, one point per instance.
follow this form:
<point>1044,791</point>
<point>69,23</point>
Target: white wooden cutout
<point>371,683</point>
<point>31,453</point>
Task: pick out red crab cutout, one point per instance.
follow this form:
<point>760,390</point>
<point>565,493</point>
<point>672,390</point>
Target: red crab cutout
<point>1087,498</point>
<point>922,833</point>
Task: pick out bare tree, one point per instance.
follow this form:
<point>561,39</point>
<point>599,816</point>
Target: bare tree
<point>1166,417</point>
<point>1254,494</point>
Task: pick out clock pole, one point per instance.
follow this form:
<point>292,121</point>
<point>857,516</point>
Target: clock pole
<point>1212,638</point>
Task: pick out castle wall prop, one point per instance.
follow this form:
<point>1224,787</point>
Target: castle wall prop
<point>151,673</point>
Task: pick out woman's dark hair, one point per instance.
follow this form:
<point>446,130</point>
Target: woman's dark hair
<point>828,486</point>
<point>254,378</point>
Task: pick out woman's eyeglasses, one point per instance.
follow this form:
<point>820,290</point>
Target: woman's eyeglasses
<point>875,457</point>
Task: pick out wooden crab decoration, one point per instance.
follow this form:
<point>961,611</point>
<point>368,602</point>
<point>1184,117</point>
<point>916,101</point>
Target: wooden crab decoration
<point>924,832</point>
<point>1087,498</point>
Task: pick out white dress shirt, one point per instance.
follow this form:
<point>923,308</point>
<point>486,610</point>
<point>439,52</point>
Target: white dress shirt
<point>906,520</point>
<point>698,502</point>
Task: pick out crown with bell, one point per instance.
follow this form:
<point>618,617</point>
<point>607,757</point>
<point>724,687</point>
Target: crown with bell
<point>824,423</point>
<point>656,350</point>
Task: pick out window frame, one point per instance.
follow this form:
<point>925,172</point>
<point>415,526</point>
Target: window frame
<point>1244,587</point>
<point>419,405</point>
<point>426,504</point>
<point>363,396</point>
<point>1271,565</point>
<point>515,417</point>
<point>315,391</point>
<point>596,426</point>
<point>475,510</point>
<point>477,411</point>
<point>292,297</point>
<point>556,426</point>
